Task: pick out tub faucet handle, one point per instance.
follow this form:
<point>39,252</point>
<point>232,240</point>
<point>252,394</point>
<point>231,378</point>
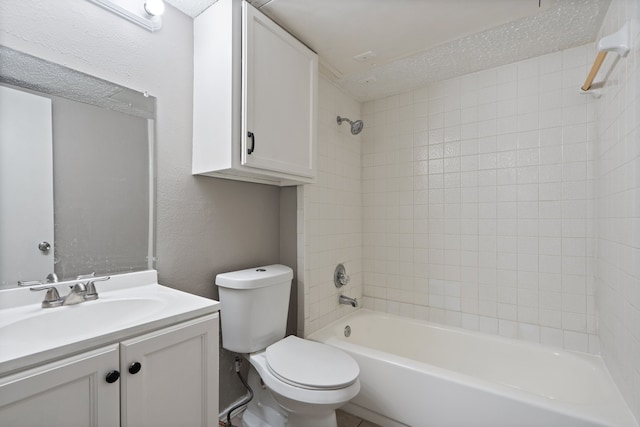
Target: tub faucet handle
<point>340,276</point>
<point>344,279</point>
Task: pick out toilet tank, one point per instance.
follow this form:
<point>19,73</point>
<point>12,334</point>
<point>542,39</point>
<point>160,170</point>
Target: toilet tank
<point>254,307</point>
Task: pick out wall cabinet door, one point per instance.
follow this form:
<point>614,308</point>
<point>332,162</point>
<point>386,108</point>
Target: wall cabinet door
<point>67,393</point>
<point>279,98</point>
<point>254,98</point>
<point>170,377</point>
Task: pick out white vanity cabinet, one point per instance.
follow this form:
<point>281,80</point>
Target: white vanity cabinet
<point>168,377</point>
<point>71,392</point>
<point>255,98</point>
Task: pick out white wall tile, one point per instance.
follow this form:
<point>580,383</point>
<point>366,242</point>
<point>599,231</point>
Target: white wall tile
<point>331,209</point>
<point>617,281</point>
<point>499,188</point>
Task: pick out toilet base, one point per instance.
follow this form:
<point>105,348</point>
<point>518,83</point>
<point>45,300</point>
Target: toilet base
<point>327,420</point>
<point>264,410</point>
<point>250,419</point>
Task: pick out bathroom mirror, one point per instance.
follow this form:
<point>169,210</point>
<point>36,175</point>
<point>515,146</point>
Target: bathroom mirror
<point>77,173</point>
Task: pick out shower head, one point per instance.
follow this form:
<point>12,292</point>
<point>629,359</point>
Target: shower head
<point>356,127</point>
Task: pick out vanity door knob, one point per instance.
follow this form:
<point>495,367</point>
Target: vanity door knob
<point>112,376</point>
<point>135,367</point>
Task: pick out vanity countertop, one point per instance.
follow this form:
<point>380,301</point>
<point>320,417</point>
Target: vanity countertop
<point>129,304</point>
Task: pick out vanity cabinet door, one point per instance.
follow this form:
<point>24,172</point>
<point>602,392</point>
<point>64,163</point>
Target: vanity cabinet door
<point>170,377</point>
<point>67,393</point>
<point>279,98</point>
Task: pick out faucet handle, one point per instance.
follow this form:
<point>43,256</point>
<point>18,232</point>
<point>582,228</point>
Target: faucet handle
<point>34,283</point>
<point>340,276</point>
<point>52,297</point>
<point>92,293</point>
<point>344,278</point>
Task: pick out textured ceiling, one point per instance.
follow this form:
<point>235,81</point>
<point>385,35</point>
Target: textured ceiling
<point>560,24</point>
<point>565,24</point>
<point>385,31</point>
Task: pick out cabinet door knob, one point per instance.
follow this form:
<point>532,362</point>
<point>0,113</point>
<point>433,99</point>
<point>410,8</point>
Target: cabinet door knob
<point>44,246</point>
<point>135,367</point>
<point>112,376</point>
<point>253,142</point>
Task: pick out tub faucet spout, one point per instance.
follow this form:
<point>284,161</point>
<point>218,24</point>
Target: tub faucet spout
<point>343,299</point>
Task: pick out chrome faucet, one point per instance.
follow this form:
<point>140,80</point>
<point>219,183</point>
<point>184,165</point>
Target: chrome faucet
<point>80,291</point>
<point>343,299</point>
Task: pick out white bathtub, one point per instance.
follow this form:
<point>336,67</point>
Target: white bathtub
<point>420,374</point>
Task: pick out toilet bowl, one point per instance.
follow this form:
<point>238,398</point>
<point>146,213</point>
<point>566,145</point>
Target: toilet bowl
<point>296,382</point>
<point>308,380</point>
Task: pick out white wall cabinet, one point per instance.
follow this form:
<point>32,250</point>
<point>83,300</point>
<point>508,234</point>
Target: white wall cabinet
<point>255,98</point>
<point>164,378</point>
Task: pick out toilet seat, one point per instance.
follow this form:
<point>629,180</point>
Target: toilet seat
<point>311,365</point>
<point>312,396</point>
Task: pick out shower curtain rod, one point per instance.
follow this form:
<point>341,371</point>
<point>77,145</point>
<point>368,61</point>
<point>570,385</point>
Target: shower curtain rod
<point>594,70</point>
<point>617,42</point>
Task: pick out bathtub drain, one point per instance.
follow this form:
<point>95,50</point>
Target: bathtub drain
<point>347,331</point>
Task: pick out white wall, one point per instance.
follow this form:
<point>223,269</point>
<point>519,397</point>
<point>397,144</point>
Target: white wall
<point>618,278</point>
<point>329,213</point>
<point>478,202</point>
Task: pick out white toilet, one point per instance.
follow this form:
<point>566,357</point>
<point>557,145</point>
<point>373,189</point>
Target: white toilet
<point>296,382</point>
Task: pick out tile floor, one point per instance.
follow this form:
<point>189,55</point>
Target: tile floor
<point>344,420</point>
<point>348,420</point>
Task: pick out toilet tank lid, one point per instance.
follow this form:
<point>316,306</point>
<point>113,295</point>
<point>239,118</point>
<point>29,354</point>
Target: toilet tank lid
<point>257,277</point>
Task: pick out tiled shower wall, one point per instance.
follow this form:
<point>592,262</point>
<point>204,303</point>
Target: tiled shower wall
<point>618,276</point>
<point>478,202</point>
<point>330,214</point>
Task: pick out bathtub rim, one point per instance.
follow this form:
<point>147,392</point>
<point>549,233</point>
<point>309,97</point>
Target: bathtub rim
<point>610,409</point>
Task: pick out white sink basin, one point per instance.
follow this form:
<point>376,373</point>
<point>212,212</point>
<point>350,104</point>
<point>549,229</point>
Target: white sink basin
<point>78,321</point>
<point>128,304</point>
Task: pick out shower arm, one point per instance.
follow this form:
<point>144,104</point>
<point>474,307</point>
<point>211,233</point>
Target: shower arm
<point>356,126</point>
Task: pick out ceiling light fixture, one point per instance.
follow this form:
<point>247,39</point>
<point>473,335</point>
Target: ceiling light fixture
<point>143,13</point>
<point>154,7</point>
